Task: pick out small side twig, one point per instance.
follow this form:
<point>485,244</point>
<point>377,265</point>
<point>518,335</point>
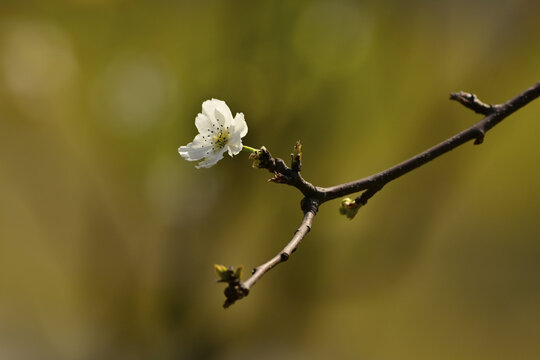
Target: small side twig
<point>236,290</point>
<point>472,102</point>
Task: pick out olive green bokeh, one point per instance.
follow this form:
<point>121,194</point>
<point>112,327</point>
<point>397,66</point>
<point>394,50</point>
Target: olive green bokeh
<point>108,237</point>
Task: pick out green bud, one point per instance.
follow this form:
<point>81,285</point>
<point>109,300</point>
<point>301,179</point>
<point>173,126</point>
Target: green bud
<point>238,272</point>
<point>349,208</point>
<point>222,272</point>
<point>228,274</point>
<point>296,157</point>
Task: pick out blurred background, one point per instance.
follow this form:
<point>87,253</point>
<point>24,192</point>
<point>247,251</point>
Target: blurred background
<point>108,237</point>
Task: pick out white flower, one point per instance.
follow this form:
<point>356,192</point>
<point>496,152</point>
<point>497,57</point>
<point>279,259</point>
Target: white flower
<point>218,132</point>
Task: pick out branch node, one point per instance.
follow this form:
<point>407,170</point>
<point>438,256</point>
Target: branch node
<point>309,205</point>
<point>284,256</point>
<point>480,137</point>
<point>282,173</point>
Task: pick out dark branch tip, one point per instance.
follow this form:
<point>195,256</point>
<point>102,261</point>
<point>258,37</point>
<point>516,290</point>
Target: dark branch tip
<point>471,101</point>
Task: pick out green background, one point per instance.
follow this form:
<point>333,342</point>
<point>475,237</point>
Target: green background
<point>108,237</point>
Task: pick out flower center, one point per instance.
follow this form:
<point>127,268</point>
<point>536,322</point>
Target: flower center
<point>221,139</point>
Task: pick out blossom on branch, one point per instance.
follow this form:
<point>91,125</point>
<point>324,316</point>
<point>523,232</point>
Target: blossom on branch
<point>218,132</point>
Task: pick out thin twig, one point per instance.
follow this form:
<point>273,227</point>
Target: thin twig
<point>315,196</point>
<point>284,254</point>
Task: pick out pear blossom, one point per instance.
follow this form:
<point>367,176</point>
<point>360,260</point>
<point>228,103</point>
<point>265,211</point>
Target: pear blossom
<point>218,132</point>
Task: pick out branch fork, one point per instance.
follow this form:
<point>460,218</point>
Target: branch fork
<point>315,196</point>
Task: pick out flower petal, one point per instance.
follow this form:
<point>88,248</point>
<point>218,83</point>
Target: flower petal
<point>193,154</point>
<point>222,107</point>
<point>234,149</point>
<point>196,150</point>
<point>208,109</point>
<point>240,124</point>
<point>223,120</point>
<point>211,160</point>
<point>203,124</point>
<point>235,144</point>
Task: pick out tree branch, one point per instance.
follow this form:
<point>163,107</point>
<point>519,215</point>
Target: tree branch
<point>237,290</point>
<point>315,196</point>
<point>477,132</point>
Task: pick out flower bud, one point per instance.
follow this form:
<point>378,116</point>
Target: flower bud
<point>228,274</point>
<point>348,207</point>
<point>296,157</point>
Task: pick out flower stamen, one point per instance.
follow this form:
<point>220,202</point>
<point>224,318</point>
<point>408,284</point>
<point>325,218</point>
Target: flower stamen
<point>221,139</point>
